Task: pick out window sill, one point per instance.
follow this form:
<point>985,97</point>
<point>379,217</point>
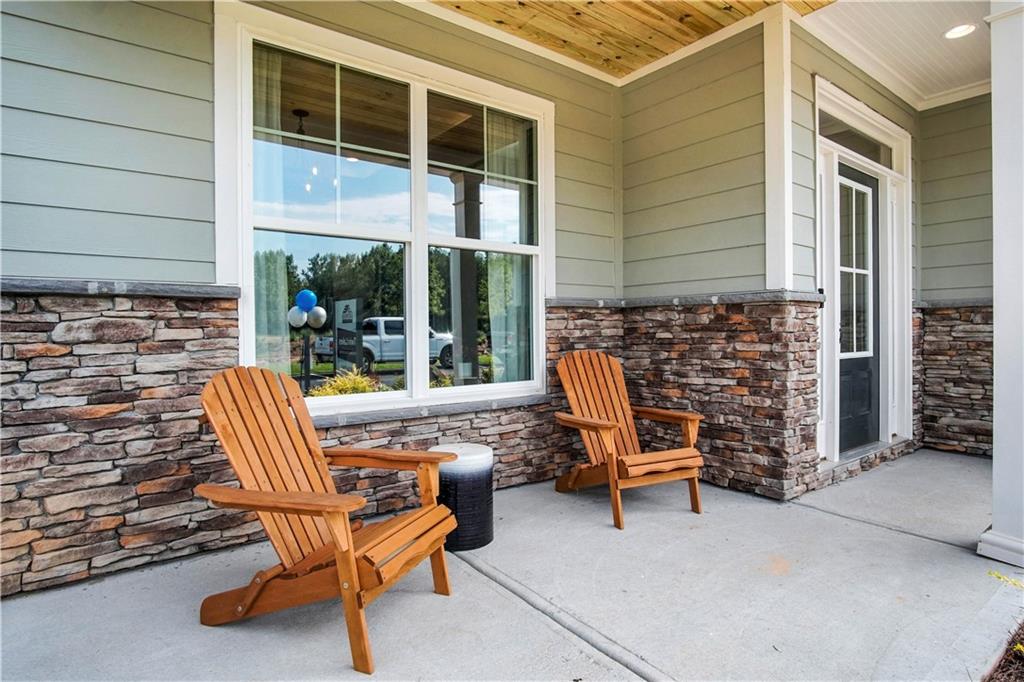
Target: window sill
<point>326,421</point>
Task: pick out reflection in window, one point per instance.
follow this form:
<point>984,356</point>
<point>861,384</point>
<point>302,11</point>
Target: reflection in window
<point>847,136</point>
<point>854,270</point>
<point>482,172</point>
<point>482,301</point>
<point>319,163</point>
<point>361,285</point>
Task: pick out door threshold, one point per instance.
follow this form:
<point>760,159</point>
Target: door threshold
<point>862,451</point>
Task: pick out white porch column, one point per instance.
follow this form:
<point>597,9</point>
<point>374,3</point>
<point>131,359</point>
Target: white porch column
<point>1005,539</point>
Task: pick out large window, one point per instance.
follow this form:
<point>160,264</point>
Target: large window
<point>410,214</point>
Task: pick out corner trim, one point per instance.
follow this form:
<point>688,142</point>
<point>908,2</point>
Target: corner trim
<point>103,287</point>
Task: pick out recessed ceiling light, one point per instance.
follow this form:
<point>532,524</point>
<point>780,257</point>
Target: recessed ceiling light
<point>960,31</point>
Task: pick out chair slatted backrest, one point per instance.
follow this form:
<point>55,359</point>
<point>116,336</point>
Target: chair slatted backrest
<point>596,388</point>
<point>266,431</point>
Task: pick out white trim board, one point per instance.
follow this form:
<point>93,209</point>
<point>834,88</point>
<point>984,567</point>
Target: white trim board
<point>835,38</point>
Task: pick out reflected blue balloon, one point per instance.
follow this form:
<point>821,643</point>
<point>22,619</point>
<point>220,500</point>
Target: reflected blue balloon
<point>305,299</point>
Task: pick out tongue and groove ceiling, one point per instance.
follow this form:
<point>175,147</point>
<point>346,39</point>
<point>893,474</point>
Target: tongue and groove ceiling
<point>616,37</point>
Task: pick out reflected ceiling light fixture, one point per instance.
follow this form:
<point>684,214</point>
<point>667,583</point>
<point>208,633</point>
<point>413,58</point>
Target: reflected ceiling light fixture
<point>351,159</point>
<point>300,114</point>
<point>960,31</point>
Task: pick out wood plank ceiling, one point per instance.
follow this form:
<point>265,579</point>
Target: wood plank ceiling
<point>615,36</point>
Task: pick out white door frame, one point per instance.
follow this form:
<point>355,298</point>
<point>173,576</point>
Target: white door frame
<point>894,316</point>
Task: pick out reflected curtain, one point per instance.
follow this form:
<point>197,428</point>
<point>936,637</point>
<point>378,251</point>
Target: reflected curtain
<point>508,306</point>
<point>273,334</point>
<point>268,178</point>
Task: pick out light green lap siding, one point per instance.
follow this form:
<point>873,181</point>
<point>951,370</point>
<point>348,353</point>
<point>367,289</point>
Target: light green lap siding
<point>956,200</point>
<point>587,223</point>
<point>107,140</point>
<point>811,56</point>
<point>693,173</point>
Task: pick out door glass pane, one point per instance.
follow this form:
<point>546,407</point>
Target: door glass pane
<point>455,132</point>
<point>357,283</point>
<point>845,226</point>
<point>294,179</point>
<point>860,232</point>
<point>292,93</point>
<point>846,313</point>
<point>481,314</point>
<point>374,112</point>
<point>861,323</point>
<point>510,145</point>
<point>375,191</point>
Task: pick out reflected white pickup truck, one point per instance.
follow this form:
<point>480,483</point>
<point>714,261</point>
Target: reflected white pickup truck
<point>383,341</point>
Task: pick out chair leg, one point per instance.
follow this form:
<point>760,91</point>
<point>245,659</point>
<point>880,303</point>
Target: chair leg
<point>351,597</point>
<point>358,634</point>
<point>616,495</point>
<point>439,568</point>
<point>695,495</point>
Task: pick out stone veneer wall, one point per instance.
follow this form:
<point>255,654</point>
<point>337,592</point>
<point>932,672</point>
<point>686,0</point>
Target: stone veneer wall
<point>956,378</point>
<point>101,446</point>
<point>751,369</point>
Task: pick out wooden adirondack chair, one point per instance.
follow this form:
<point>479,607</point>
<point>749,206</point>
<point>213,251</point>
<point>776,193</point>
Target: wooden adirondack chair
<point>261,420</point>
<point>596,390</point>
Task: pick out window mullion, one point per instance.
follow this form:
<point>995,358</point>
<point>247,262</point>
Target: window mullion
<point>418,348</point>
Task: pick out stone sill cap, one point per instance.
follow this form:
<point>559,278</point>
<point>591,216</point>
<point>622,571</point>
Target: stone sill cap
<point>327,421</point>
<point>40,286</point>
<point>762,296</point>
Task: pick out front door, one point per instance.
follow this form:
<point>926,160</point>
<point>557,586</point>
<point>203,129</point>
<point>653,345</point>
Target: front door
<point>858,306</point>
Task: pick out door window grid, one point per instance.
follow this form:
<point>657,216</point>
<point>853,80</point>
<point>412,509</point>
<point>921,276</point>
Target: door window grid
<point>856,319</point>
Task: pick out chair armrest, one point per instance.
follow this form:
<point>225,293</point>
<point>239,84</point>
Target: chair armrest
<point>305,504</point>
<point>584,423</point>
<point>384,459</point>
<point>669,416</point>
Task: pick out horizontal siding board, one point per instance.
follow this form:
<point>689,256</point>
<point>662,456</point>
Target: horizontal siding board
<point>803,201</point>
<point>956,210</point>
<point>961,187</point>
<point>741,114</point>
<point>803,171</point>
<point>197,11</point>
<point>111,234</point>
<point>584,170</point>
<point>714,285</point>
<point>582,144</point>
<point>65,94</point>
<point>978,161</point>
<point>743,261</point>
<point>732,145</point>
<point>957,142</point>
<point>586,246</point>
<point>803,260</point>
<point>972,253</point>
<point>582,272</point>
<point>803,111</point>
<point>961,293</point>
<point>936,125</point>
<point>724,176</point>
<point>47,183</point>
<point>956,232</point>
<point>747,231</point>
<point>63,265</point>
<point>127,22</point>
<point>58,48</point>
<point>737,203</point>
<point>956,277</point>
<point>712,95</point>
<point>804,232</point>
<point>715,63</point>
<point>584,220</point>
<point>581,194</point>
<point>804,283</point>
<point>57,138</point>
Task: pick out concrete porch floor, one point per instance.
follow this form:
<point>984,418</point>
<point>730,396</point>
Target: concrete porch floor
<point>873,578</point>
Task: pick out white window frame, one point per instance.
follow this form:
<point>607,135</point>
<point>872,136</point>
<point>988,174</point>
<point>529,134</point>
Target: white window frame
<point>894,316</point>
<point>236,27</point>
<point>869,270</point>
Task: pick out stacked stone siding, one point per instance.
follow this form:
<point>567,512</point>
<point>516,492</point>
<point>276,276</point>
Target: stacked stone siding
<point>751,369</point>
<point>102,447</point>
<point>956,383</point>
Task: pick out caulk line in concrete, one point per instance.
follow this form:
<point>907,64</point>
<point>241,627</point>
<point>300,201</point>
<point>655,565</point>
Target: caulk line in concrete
<point>596,639</point>
<point>876,524</point>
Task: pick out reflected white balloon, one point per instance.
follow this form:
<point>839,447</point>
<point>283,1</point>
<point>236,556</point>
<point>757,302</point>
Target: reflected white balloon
<point>316,317</point>
<point>296,316</point>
